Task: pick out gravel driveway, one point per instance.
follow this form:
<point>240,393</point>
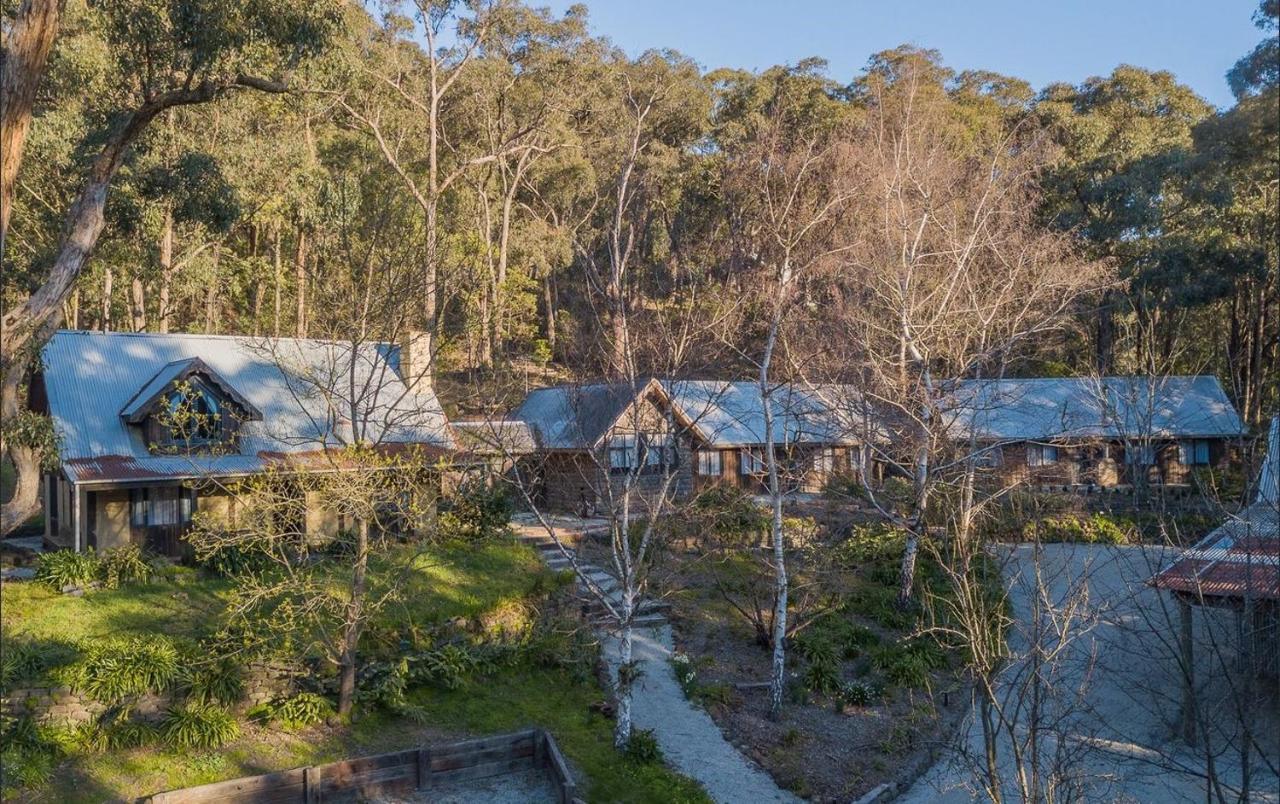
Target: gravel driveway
<point>1121,689</point>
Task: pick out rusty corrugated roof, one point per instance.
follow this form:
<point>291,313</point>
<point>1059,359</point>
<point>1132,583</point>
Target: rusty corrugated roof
<point>1242,557</point>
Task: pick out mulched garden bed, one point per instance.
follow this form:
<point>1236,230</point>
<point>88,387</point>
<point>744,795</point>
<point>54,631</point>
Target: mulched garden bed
<point>816,750</point>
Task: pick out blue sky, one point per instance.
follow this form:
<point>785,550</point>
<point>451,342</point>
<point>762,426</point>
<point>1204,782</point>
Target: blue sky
<point>1041,41</point>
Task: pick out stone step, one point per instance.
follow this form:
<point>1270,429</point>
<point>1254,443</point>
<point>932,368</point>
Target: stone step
<point>639,621</point>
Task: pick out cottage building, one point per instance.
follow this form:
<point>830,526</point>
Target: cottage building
<point>1101,433</point>
<point>153,426</point>
<point>489,451</point>
<point>597,439</point>
<point>816,433</point>
<point>681,435</point>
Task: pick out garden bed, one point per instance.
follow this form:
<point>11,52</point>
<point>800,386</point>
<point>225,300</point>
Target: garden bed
<point>480,589</point>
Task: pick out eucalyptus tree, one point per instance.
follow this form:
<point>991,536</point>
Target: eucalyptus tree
<point>424,107</point>
<point>162,54</point>
<point>1123,140</point>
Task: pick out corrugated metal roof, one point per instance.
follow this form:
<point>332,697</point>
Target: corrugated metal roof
<point>1242,557</point>
<point>725,414</point>
<point>575,416</point>
<point>1269,479</point>
<point>305,390</point>
<point>731,414</point>
<point>1110,407</point>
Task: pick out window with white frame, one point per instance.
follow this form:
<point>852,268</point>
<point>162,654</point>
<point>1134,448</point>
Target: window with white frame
<point>1041,455</point>
<point>1193,453</point>
<point>750,463</point>
<point>709,462</point>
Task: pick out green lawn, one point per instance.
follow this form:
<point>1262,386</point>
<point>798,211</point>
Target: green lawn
<point>33,610</point>
<point>515,699</point>
<point>448,581</point>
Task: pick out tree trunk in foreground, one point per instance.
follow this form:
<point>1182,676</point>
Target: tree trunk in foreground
<point>626,679</point>
<point>354,622</point>
<point>28,40</point>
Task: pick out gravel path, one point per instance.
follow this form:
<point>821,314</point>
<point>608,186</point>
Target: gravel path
<point>690,739</point>
<point>1122,688</point>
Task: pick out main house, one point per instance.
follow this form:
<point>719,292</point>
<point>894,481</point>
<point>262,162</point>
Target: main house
<point>1096,432</point>
<point>679,436</point>
<point>152,427</point>
<point>1111,432</point>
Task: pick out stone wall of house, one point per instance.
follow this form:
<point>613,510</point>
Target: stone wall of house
<point>111,519</point>
<point>58,704</point>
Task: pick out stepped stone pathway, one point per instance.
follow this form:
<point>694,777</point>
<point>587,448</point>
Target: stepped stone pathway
<point>690,739</point>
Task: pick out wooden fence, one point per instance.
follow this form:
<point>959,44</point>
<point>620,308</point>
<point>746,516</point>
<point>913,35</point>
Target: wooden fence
<point>396,773</point>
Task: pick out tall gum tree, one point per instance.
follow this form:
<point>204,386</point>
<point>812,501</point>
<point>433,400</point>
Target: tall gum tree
<point>166,54</point>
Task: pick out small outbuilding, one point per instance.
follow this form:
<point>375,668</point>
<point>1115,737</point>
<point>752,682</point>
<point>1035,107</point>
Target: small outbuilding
<point>1236,567</point>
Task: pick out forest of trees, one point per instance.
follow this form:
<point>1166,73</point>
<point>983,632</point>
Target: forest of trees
<point>540,194</point>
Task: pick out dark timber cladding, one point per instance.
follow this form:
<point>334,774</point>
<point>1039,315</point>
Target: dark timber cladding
<point>395,773</point>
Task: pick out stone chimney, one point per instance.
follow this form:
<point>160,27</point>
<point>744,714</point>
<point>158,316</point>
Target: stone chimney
<point>415,358</point>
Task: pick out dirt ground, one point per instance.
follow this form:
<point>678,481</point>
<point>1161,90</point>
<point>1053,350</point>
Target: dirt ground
<point>814,750</point>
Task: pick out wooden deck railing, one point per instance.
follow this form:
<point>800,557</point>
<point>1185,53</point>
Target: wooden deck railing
<point>398,772</point>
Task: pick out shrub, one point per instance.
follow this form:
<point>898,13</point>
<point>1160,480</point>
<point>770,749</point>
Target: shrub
<point>218,681</point>
<point>563,645</point>
<point>848,638</point>
<point>855,693</point>
<point>726,512</point>
<point>123,564</point>
<point>195,725</point>
<point>822,665</point>
<point>113,669</point>
<point>1097,529</point>
<point>643,747</point>
<point>475,513</point>
<point>24,660</point>
<point>111,733</point>
<point>28,757</point>
<point>447,666</point>
<point>907,663</point>
<point>844,486</point>
<point>296,712</point>
<point>1102,529</point>
<point>63,568</point>
<point>230,560</point>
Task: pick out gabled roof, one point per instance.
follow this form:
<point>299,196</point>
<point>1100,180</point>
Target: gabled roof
<point>1241,557</point>
<point>731,414</point>
<point>303,389</point>
<point>1109,407</point>
<point>722,414</point>
<point>137,408</point>
<point>575,417</point>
